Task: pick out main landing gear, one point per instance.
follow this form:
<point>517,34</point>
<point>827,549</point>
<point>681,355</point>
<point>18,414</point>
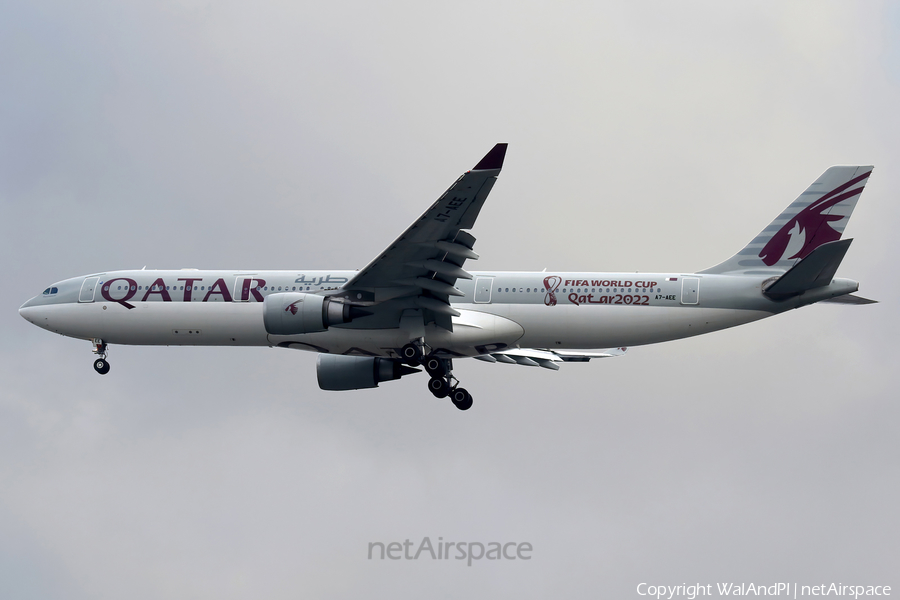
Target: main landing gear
<point>443,383</point>
<point>101,365</point>
<point>413,353</point>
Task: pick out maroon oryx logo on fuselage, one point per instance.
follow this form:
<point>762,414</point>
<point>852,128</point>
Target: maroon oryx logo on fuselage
<point>812,222</point>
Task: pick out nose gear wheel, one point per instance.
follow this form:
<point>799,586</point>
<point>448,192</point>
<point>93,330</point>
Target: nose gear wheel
<point>101,365</point>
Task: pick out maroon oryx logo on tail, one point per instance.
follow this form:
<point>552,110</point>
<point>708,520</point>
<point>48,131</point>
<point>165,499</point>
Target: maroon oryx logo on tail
<point>812,222</point>
<point>552,284</point>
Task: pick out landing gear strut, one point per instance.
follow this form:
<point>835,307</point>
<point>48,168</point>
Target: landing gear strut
<point>101,365</point>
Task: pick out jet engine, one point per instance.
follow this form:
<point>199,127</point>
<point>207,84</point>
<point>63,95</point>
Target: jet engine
<point>292,313</point>
<point>339,372</point>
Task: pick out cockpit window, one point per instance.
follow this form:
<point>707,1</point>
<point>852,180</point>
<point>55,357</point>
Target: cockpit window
<point>50,291</point>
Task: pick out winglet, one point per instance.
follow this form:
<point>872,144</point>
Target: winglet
<point>493,159</point>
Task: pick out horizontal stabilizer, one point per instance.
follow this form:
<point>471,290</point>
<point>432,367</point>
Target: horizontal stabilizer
<point>848,299</point>
<point>816,270</point>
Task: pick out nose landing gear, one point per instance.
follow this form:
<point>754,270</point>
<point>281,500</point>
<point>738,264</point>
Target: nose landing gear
<point>101,365</point>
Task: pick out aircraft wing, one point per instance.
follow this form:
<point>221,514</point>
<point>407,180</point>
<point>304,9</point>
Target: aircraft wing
<point>540,357</point>
<point>424,263</point>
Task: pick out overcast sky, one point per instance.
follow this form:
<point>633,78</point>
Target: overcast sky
<point>655,136</point>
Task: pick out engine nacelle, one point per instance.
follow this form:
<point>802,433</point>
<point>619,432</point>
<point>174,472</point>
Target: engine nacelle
<point>292,313</point>
<point>339,372</point>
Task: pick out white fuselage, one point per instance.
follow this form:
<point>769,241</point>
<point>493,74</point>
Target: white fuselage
<point>497,310</point>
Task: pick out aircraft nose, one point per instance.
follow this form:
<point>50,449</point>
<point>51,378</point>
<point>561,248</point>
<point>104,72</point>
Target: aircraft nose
<point>30,302</point>
<point>27,312</point>
<point>31,311</point>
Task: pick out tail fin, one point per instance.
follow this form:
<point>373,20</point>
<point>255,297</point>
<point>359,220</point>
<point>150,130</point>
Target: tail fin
<point>818,216</point>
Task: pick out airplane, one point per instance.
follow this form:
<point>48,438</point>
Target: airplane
<point>415,305</point>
